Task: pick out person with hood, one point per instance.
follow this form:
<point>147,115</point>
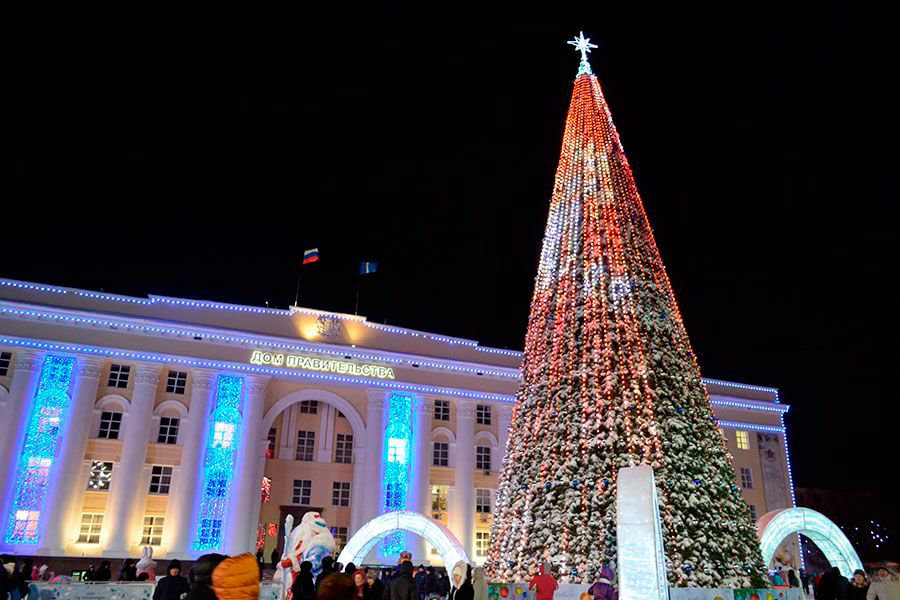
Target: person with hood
<point>146,564</point>
<point>544,584</point>
<point>27,569</point>
<point>479,584</point>
<point>421,579</point>
<point>304,588</point>
<point>884,586</point>
<point>792,579</point>
<point>359,580</point>
<point>374,588</point>
<point>336,586</point>
<point>603,589</point>
<point>104,572</point>
<point>404,587</point>
<point>442,586</point>
<point>461,582</point>
<point>218,577</point>
<point>173,585</point>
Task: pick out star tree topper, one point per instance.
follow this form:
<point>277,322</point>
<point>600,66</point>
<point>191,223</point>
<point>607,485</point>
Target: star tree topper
<point>583,45</point>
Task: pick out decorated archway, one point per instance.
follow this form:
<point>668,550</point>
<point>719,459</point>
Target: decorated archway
<point>775,526</point>
<point>434,532</point>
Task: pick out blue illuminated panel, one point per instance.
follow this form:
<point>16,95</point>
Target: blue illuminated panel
<point>397,448</point>
<point>48,413</point>
<point>218,466</point>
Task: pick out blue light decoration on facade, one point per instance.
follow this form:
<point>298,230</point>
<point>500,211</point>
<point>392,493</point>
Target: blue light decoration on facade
<point>397,447</point>
<point>48,413</point>
<point>218,465</point>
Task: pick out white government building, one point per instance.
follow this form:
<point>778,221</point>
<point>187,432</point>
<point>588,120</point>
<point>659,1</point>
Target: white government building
<point>193,426</point>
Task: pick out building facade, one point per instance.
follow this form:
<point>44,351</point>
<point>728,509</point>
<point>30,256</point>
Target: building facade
<point>193,426</point>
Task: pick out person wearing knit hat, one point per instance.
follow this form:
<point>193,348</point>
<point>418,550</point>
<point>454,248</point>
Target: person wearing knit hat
<point>603,589</point>
<point>173,585</point>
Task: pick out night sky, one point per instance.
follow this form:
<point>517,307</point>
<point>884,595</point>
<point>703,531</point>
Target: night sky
<point>196,152</point>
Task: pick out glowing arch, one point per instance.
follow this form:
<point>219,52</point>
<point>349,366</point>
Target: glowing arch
<point>434,532</point>
<point>773,527</point>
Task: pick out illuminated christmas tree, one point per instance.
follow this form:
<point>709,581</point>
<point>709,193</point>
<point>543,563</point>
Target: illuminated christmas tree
<point>610,381</point>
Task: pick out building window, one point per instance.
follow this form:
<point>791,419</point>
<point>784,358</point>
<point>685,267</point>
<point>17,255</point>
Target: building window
<point>110,425</point>
<point>441,455</point>
<point>483,458</point>
<point>118,376</point>
<point>5,359</point>
<point>160,480</point>
<point>302,492</point>
<point>343,448</point>
<point>482,543</point>
<point>439,497</point>
<point>483,501</point>
<point>753,512</point>
<point>743,440</point>
<point>168,430</point>
<point>442,410</point>
<point>306,444</point>
<point>270,449</point>
<point>153,528</point>
<point>747,478</point>
<point>340,493</point>
<point>101,473</point>
<point>309,407</point>
<point>340,538</point>
<point>341,415</point>
<point>90,528</point>
<point>483,414</point>
<point>176,382</point>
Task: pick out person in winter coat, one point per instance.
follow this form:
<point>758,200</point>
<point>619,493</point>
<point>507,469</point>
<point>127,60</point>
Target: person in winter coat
<point>374,588</point>
<point>336,586</point>
<point>276,558</point>
<point>543,583</point>
<point>173,585</point>
<point>304,588</point>
<point>14,584</point>
<point>442,586</point>
<point>104,572</point>
<point>604,589</point>
<point>146,564</point>
<point>859,585</point>
<point>404,587</point>
<point>461,582</point>
<point>421,579</point>
<point>128,572</point>
<point>479,584</point>
<point>359,580</point>
<point>200,577</point>
<point>885,585</point>
<point>327,569</point>
<point>792,579</point>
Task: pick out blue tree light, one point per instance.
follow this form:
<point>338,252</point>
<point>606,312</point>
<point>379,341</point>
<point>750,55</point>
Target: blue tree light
<point>48,413</point>
<point>218,465</point>
<point>397,446</point>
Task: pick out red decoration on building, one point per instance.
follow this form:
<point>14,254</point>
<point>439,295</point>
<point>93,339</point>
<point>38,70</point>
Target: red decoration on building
<point>266,490</point>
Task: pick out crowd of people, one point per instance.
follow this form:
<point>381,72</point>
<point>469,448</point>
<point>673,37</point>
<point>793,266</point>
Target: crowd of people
<point>832,585</point>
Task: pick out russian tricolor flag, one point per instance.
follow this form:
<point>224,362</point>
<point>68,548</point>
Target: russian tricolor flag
<point>310,256</point>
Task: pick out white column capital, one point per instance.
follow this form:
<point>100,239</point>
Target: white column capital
<point>465,409</point>
<point>202,379</point>
<point>89,367</point>
<point>257,384</point>
<point>505,412</point>
<point>148,374</point>
<point>29,360</point>
<point>378,399</point>
<point>423,405</point>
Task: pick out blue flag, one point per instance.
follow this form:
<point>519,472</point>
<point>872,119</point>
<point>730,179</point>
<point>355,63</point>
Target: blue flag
<point>367,267</point>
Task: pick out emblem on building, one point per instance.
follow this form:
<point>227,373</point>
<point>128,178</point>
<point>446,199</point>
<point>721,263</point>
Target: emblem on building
<point>329,327</point>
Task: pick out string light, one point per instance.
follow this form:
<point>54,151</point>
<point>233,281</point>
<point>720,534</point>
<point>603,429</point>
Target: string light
<point>218,464</point>
<point>396,460</point>
<point>49,412</point>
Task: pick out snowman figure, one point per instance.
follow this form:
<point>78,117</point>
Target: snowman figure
<point>311,540</point>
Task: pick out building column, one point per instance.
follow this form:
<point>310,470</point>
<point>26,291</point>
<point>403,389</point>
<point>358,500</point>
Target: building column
<point>357,509</point>
<point>12,427</point>
<point>370,491</point>
<point>245,495</point>
<point>126,497</point>
<point>63,501</point>
<point>462,497</point>
<point>420,477</point>
<point>181,504</point>
<point>504,422</point>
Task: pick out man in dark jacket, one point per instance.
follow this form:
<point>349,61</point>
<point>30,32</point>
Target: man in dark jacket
<point>173,585</point>
<point>404,587</point>
<point>327,569</point>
